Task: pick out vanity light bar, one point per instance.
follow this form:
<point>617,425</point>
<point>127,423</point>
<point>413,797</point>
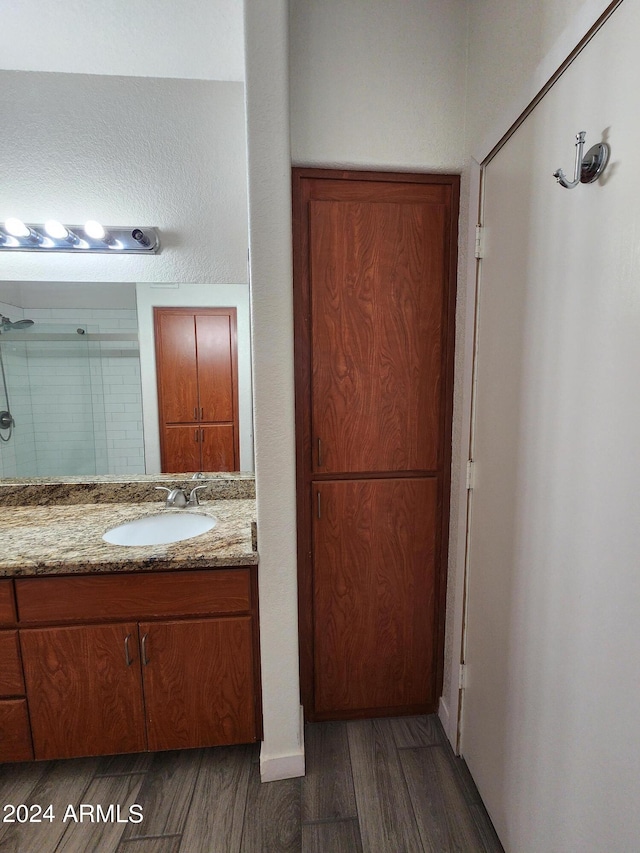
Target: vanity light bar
<point>53,236</point>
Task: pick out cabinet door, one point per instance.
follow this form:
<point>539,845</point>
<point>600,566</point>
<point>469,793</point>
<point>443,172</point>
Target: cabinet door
<point>378,286</point>
<point>215,366</point>
<point>218,448</point>
<point>374,595</point>
<point>84,690</point>
<point>15,738</point>
<point>11,683</point>
<point>181,448</point>
<point>176,367</point>
<point>198,682</point>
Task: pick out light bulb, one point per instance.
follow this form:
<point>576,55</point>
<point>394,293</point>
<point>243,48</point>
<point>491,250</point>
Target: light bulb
<point>93,229</point>
<point>56,229</point>
<point>16,227</point>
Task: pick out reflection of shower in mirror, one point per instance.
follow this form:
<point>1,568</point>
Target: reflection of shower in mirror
<point>6,418</point>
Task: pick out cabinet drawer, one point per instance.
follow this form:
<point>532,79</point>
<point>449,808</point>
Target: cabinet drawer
<point>11,682</point>
<point>15,735</point>
<point>98,597</point>
<point>7,607</point>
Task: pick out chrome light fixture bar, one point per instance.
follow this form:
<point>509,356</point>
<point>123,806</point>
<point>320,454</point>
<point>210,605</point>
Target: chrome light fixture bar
<point>53,236</point>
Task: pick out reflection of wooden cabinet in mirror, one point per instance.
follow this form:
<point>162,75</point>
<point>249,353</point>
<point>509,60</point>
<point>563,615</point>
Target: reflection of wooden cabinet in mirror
<point>197,368</point>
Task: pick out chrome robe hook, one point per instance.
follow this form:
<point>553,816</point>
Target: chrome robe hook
<point>588,168</point>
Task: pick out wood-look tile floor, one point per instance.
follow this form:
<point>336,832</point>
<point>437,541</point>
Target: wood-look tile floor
<point>372,786</point>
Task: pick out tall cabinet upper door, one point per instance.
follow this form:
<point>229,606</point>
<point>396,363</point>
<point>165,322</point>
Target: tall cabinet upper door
<point>215,366</point>
<point>178,379</point>
<point>377,269</point>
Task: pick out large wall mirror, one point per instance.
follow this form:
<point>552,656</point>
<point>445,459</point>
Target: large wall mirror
<point>78,383</point>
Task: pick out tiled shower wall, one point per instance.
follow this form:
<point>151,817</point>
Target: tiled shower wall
<point>83,412</point>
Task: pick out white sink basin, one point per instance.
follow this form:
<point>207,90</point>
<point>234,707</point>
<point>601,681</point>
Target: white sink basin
<point>160,529</point>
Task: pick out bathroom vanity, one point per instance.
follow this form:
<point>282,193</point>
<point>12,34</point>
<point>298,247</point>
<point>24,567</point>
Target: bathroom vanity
<point>111,649</point>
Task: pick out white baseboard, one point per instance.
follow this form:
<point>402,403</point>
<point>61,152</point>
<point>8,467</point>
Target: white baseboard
<point>445,719</point>
<point>274,767</point>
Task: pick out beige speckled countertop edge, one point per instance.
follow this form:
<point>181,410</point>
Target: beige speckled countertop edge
<point>52,540</point>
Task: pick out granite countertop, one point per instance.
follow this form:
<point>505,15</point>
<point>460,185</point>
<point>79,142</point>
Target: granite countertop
<point>67,539</point>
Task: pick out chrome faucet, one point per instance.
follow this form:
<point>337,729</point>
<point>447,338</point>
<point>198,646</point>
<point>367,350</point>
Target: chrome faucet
<point>177,499</point>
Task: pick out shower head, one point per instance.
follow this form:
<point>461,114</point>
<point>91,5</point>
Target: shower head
<point>6,325</point>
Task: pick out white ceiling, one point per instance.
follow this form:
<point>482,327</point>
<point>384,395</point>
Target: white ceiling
<point>199,39</point>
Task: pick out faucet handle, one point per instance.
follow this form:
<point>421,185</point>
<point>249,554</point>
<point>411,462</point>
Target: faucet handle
<point>193,497</point>
<point>168,491</point>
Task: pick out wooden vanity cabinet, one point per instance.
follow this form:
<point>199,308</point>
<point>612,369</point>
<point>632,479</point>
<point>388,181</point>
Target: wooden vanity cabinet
<point>170,661</point>
<point>15,737</point>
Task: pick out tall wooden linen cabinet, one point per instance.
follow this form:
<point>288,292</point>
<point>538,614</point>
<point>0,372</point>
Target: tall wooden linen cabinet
<point>197,370</point>
<point>374,295</point>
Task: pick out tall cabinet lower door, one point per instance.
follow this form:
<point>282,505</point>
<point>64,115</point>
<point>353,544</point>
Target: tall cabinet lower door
<point>374,543</point>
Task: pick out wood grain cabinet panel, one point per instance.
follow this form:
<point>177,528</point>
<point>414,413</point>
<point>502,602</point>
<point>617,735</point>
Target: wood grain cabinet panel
<point>133,596</point>
<point>198,682</point>
<point>181,447</point>
<point>84,690</point>
<point>15,735</point>
<point>11,681</point>
<point>374,592</point>
<point>178,378</point>
<point>216,346</point>
<point>374,306</point>
<point>7,606</point>
<point>197,369</point>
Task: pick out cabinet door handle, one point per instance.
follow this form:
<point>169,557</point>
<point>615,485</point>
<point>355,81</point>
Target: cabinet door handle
<point>201,414</point>
<point>195,413</point>
<point>319,506</point>
<point>196,433</point>
<point>145,659</point>
<point>319,454</point>
<point>127,655</point>
<point>202,434</point>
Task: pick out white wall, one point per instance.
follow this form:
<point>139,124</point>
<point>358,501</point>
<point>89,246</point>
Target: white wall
<point>378,84</point>
<point>550,719</point>
<point>269,176</point>
<point>514,47</point>
<point>198,295</point>
<point>193,39</point>
<point>127,151</point>
<point>373,85</point>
